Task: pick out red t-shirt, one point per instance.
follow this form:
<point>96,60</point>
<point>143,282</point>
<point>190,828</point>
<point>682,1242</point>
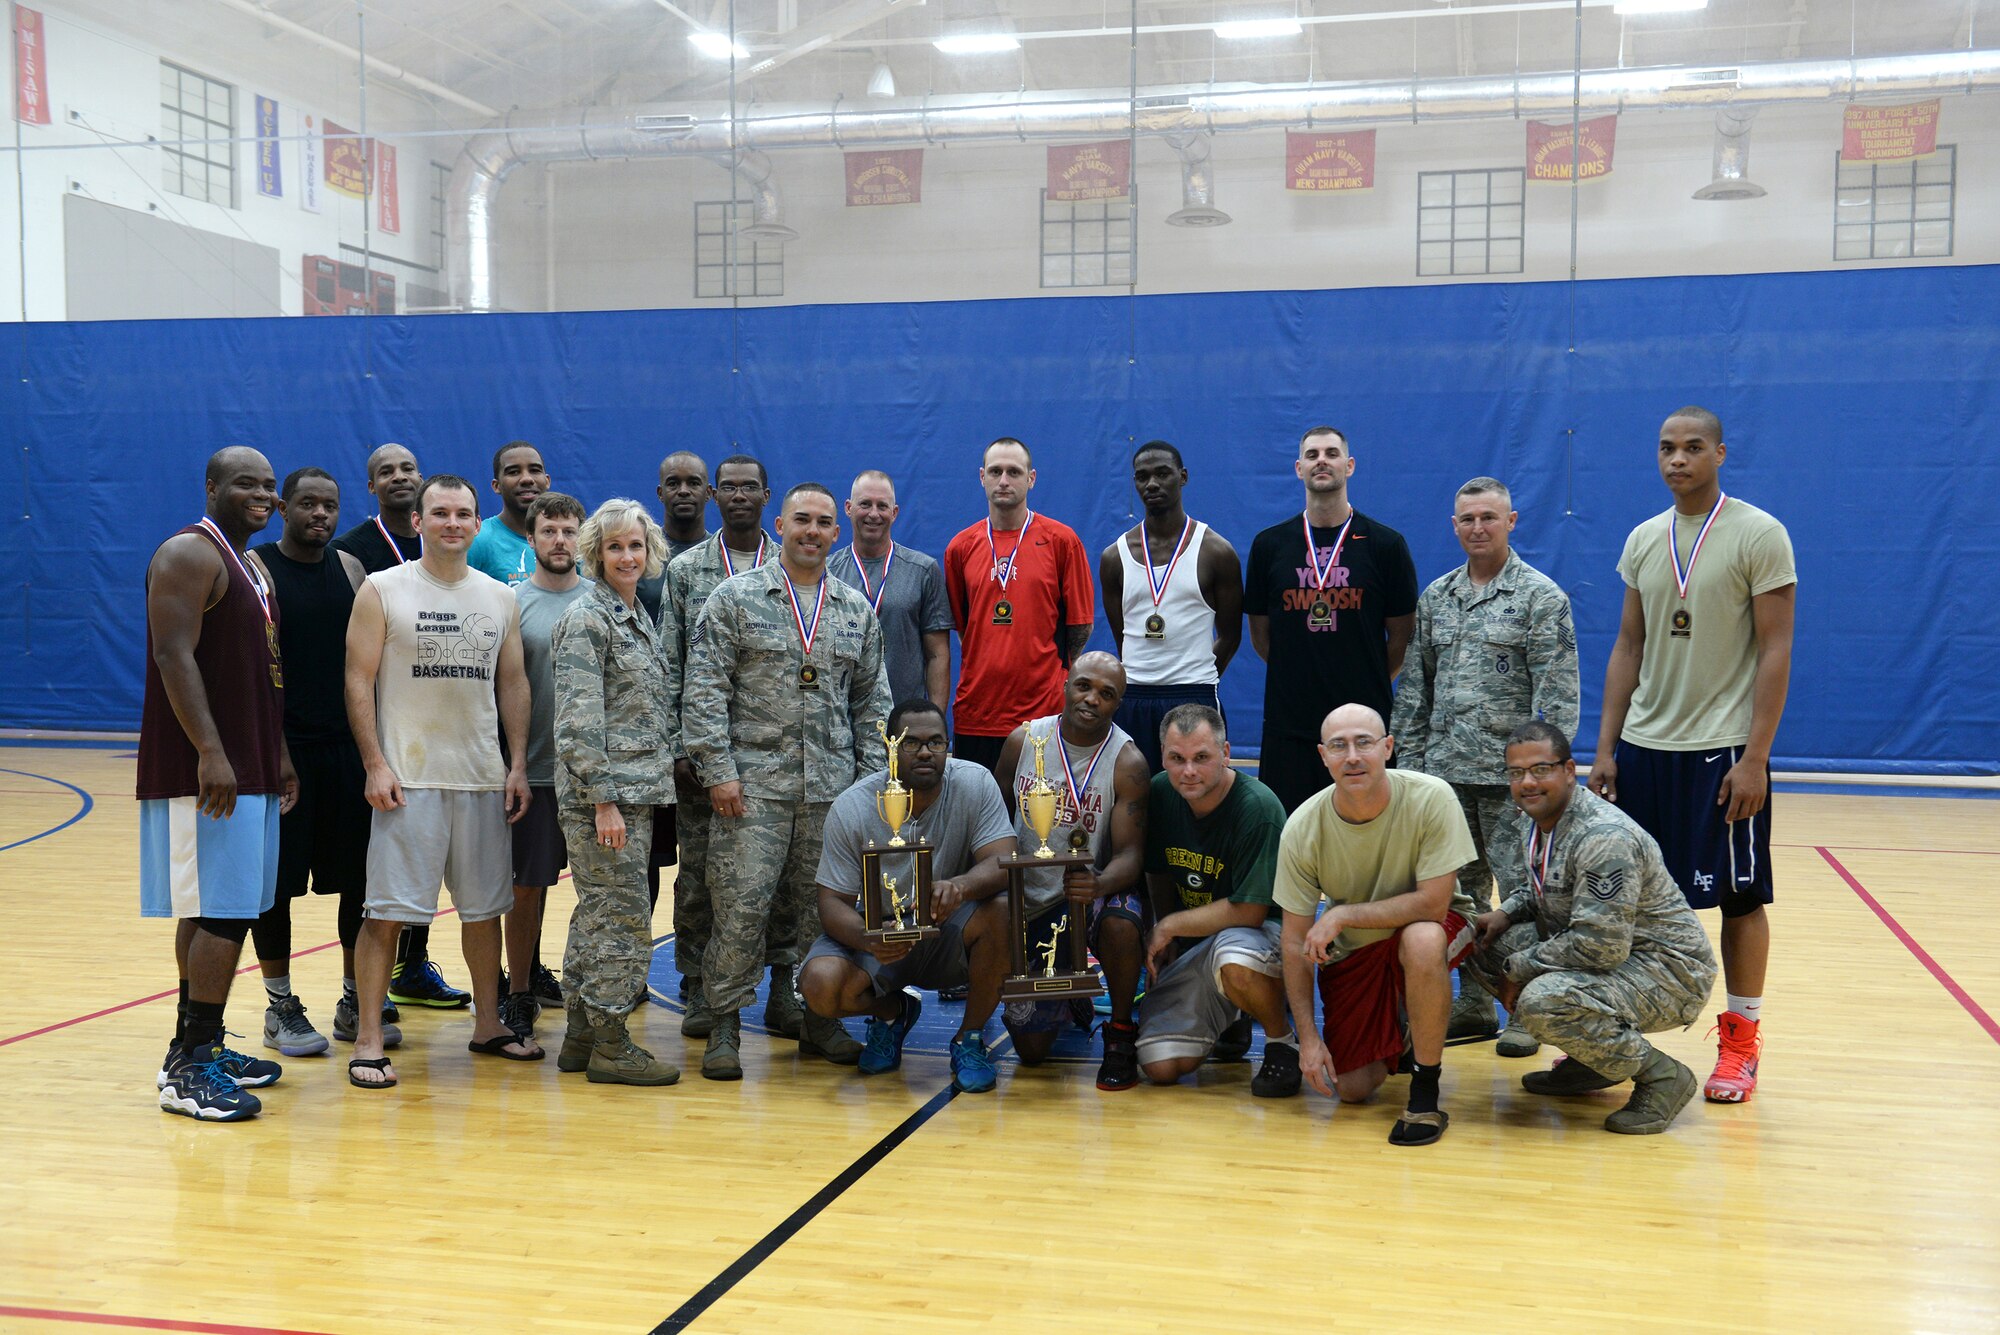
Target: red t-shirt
<point>1013,672</point>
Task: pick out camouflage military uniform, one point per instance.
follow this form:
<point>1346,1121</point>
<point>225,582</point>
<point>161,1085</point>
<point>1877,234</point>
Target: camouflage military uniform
<point>614,738</point>
<point>1481,662</point>
<point>690,578</point>
<point>1609,951</point>
<point>746,717</point>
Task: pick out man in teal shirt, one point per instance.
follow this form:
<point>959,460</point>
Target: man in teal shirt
<point>504,547</point>
<point>1211,852</point>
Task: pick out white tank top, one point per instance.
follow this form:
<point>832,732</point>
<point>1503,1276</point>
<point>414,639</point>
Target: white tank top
<point>1184,655</point>
<point>1084,831</point>
<point>435,712</point>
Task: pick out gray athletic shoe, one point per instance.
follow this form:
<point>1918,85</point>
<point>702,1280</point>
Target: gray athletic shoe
<point>1516,1041</point>
<point>1660,1090</point>
<point>287,1029</point>
<point>347,1022</point>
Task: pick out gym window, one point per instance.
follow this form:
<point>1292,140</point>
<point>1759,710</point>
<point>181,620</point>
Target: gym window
<point>1088,243</point>
<point>1896,210</point>
<point>198,123</point>
<point>1469,222</point>
<point>729,264</point>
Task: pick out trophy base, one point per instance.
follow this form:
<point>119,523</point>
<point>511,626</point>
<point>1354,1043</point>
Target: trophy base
<point>1051,987</point>
<point>896,936</point>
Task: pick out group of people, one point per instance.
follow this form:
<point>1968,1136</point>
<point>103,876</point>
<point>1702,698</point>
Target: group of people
<point>428,699</point>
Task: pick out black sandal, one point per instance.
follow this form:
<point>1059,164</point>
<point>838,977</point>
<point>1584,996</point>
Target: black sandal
<point>374,1064</point>
<point>497,1046</point>
<point>1419,1128</point>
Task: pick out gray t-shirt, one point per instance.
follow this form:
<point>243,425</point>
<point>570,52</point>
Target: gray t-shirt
<point>968,815</point>
<point>913,603</point>
<point>540,610</point>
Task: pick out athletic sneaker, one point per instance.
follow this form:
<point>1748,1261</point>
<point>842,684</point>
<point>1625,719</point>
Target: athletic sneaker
<point>971,1068</point>
<point>545,986</point>
<point>1278,1077</point>
<point>204,1090</point>
<point>517,1012</point>
<point>1120,1067</point>
<point>1735,1078</point>
<point>423,985</point>
<point>247,1071</point>
<point>884,1050</point>
<point>287,1029</point>
<point>347,1022</point>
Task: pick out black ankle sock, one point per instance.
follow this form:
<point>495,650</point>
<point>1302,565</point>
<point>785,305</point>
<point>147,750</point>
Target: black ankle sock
<point>204,1025</point>
<point>1424,1087</point>
<point>181,1014</point>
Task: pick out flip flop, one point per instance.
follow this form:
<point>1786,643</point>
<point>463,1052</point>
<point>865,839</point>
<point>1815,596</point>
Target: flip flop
<point>497,1047</point>
<point>1419,1128</point>
<point>374,1064</point>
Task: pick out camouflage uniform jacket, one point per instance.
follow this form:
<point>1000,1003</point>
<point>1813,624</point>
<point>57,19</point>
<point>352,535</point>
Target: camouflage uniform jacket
<point>690,578</point>
<point>1481,662</point>
<point>614,733</point>
<point>745,716</point>
<point>1608,898</point>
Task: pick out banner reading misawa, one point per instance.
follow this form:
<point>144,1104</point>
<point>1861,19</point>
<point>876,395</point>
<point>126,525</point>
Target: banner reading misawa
<point>31,68</point>
<point>1090,171</point>
<point>1550,156</point>
<point>1889,134</point>
<point>1326,162</point>
<point>892,177</point>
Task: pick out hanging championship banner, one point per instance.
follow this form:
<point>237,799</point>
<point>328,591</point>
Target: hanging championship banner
<point>310,152</point>
<point>346,161</point>
<point>893,177</point>
<point>1550,157</point>
<point>388,209</point>
<point>270,167</point>
<point>31,68</point>
<point>1090,171</point>
<point>1315,162</point>
<point>1889,134</point>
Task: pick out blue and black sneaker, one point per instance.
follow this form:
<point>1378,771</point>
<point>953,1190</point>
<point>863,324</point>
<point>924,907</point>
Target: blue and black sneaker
<point>971,1068</point>
<point>884,1050</point>
<point>421,984</point>
<point>200,1086</point>
<point>247,1071</point>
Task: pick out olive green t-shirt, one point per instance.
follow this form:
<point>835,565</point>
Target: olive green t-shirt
<point>1420,834</point>
<point>1231,853</point>
<point>1700,662</point>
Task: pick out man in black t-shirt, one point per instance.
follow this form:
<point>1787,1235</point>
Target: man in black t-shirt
<point>1332,598</point>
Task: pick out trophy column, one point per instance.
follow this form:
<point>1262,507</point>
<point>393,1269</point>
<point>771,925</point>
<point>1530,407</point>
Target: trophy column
<point>892,913</point>
<point>1043,979</point>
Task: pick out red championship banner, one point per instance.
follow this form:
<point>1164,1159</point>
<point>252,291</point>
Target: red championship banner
<point>892,177</point>
<point>1549,154</point>
<point>31,68</point>
<point>1889,134</point>
<point>388,209</point>
<point>346,161</point>
<point>1330,161</point>
<point>1090,171</point>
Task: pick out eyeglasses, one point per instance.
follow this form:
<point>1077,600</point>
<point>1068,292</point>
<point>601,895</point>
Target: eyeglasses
<point>1542,771</point>
<point>925,743</point>
<point>738,488</point>
<point>1361,746</point>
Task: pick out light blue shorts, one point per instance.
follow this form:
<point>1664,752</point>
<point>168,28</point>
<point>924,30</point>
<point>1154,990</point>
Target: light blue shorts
<point>194,866</point>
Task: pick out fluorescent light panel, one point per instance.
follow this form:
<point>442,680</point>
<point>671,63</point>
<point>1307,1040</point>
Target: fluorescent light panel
<point>1247,29</point>
<point>977,44</point>
<point>1631,7</point>
<point>717,45</point>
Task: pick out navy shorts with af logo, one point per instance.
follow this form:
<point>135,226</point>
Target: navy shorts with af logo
<point>1717,863</point>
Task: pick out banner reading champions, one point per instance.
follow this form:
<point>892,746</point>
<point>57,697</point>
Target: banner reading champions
<point>346,161</point>
<point>895,176</point>
<point>1889,134</point>
<point>1326,162</point>
<point>1090,171</point>
<point>1550,156</point>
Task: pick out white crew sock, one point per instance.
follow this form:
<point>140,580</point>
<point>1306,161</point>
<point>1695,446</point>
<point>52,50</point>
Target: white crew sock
<point>1750,1008</point>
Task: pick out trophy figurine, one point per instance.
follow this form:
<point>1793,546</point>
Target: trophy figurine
<point>1048,952</point>
<point>896,901</point>
<point>1039,802</point>
<point>893,802</point>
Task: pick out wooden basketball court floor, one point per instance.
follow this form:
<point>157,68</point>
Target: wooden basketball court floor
<point>1859,1191</point>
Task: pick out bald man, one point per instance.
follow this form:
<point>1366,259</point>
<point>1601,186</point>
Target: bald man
<point>906,589</point>
<point>389,536</point>
<point>1381,848</point>
<point>683,493</point>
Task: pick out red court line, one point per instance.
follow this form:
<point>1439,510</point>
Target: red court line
<point>1874,848</point>
<point>1950,984</point>
<point>145,1322</point>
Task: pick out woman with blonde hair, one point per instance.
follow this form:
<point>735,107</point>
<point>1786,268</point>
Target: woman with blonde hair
<point>614,764</point>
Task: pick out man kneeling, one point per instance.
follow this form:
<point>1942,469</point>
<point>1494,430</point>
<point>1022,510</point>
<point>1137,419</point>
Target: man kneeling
<point>955,806</point>
<point>1601,949</point>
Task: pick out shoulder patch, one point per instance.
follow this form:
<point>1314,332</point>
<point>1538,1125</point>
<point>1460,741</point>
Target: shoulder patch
<point>1605,885</point>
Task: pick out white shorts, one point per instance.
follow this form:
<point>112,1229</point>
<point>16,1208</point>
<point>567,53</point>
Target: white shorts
<point>451,835</point>
<point>1184,1010</point>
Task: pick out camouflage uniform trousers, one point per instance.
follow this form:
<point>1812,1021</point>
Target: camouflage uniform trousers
<point>1600,1019</point>
<point>764,893</point>
<point>1493,818</point>
<point>611,931</point>
<point>694,920</point>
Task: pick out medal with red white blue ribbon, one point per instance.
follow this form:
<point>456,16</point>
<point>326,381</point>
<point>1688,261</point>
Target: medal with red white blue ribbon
<point>390,539</point>
<point>1156,625</point>
<point>808,673</point>
<point>729,566</point>
<point>1322,610</point>
<point>874,595</point>
<point>1539,848</point>
<point>1683,575</point>
<point>1078,838</point>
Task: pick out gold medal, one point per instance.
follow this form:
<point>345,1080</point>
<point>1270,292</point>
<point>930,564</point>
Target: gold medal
<point>808,678</point>
<point>1683,624</point>
<point>1321,614</point>
<point>1003,613</point>
<point>1078,840</point>
<point>1156,627</point>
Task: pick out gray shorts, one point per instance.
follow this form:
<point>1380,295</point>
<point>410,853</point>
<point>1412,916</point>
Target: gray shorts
<point>441,834</point>
<point>935,965</point>
<point>1184,1010</point>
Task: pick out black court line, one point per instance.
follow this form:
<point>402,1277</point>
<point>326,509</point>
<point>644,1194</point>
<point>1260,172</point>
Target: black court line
<point>686,1314</point>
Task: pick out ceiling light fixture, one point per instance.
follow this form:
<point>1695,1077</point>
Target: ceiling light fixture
<point>1249,29</point>
<point>1632,7</point>
<point>882,83</point>
<point>977,44</point>
<point>718,46</point>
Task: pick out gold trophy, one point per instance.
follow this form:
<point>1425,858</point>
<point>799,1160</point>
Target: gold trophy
<point>893,802</point>
<point>1038,804</point>
<point>882,908</point>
